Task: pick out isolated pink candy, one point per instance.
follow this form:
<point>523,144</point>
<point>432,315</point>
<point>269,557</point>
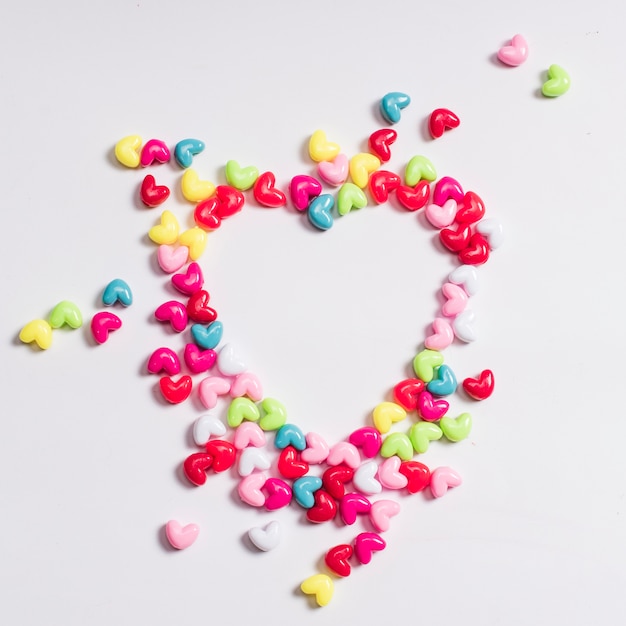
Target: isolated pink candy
<point>389,474</point>
<point>446,188</point>
<point>212,387</point>
<point>443,478</point>
<point>381,512</point>
<point>181,537</point>
<point>316,450</point>
<point>334,172</point>
<point>102,323</point>
<point>190,281</point>
<point>171,258</point>
<point>249,489</point>
<point>198,360</point>
<point>247,384</point>
<point>173,312</point>
<point>154,150</point>
<point>302,189</point>
<point>368,439</point>
<point>430,409</point>
<point>442,336</point>
<point>164,360</point>
<point>346,453</point>
<point>514,54</point>
<point>249,434</point>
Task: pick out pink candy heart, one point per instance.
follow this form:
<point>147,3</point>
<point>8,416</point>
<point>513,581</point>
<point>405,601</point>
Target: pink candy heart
<point>247,384</point>
<point>279,494</point>
<point>443,478</point>
<point>248,434</point>
<point>346,453</point>
<point>381,512</point>
<point>102,323</point>
<point>212,387</point>
<point>429,409</point>
<point>249,489</point>
<point>442,336</point>
<point>368,439</point>
<point>316,450</point>
<point>365,544</point>
<point>164,360</point>
<point>198,360</point>
<point>303,188</point>
<point>173,312</point>
<point>154,150</point>
<point>352,504</point>
<point>181,537</point>
<point>389,474</point>
<point>456,299</point>
<point>441,216</point>
<point>334,172</point>
<point>171,259</point>
<point>446,188</point>
<point>514,54</point>
<point>190,281</point>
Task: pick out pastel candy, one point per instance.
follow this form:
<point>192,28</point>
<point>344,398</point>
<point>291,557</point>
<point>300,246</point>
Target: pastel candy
<point>444,383</point>
<point>381,512</point>
<point>419,168</point>
<point>242,409</point>
<point>249,489</point>
<point>193,188</point>
<point>425,362</point>
<point>166,232</point>
<point>364,478</point>
<point>397,444</point>
<point>38,331</point>
<point>334,172</point>
<point>181,537</point>
<point>361,166</point>
<point>275,414</point>
<point>320,149</point>
<point>65,312</point>
<point>422,434</point>
<point>442,478</point>
<point>319,585</point>
<point>350,197</point>
<point>387,413</point>
<point>127,151</point>
<point>241,178</point>
<point>195,240</point>
<point>456,429</point>
<point>316,450</point>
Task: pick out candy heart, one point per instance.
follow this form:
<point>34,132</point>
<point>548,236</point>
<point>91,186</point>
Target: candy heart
<point>441,216</point>
<point>344,453</point>
<point>198,360</point>
<point>456,299</point>
<point>430,409</point>
<point>223,453</point>
<point>425,362</point>
<point>252,459</point>
<point>210,388</point>
<point>381,183</point>
<point>324,508</point>
<point>229,362</point>
<point>352,504</point>
<point>392,104</point>
<point>319,211</point>
<point>381,512</point>
<point>194,189</point>
<point>171,258</point>
<point>335,478</point>
<point>151,194</point>
<point>491,229</point>
<point>442,478</point>
<point>189,281</point>
<point>558,82</point>
<point>249,489</point>
<point>368,439</point>
<point>275,414</point>
<point>472,209</point>
<point>265,192</point>
<point>177,391</point>
<point>304,490</point>
<point>195,467</point>
<point>249,434</point>
<point>446,188</point>
<point>181,537</point>
<point>480,388</point>
<point>247,384</point>
<point>231,201</point>
<point>320,149</point>
<point>101,325</point>
<point>319,585</point>
<point>398,444</point>
<point>279,494</point>
<point>477,251</point>
<point>442,336</point>
<point>186,149</point>
<point>154,150</point>
<point>302,189</point>
<point>466,276</point>
<point>337,559</point>
<point>455,239</point>
<point>267,538</point>
<point>127,150</point>
<point>463,326</point>
<point>456,429</point>
<point>173,312</point>
<point>379,142</point>
<point>205,427</point>
<point>206,214</point>
<point>350,197</point>
<point>367,543</point>
<point>164,360</point>
<point>364,478</point>
<point>417,169</point>
<point>515,53</point>
<point>207,337</point>
<point>385,414</point>
<point>444,383</point>
<point>195,240</point>
<point>442,120</point>
<point>407,391</point>
<point>316,450</point>
<point>242,409</point>
<point>198,308</point>
<point>413,198</point>
<point>117,291</point>
<point>166,232</point>
<point>418,475</point>
<point>389,473</point>
<point>290,465</point>
<point>289,435</point>
<point>40,332</point>
<point>361,166</point>
<point>334,172</point>
<point>65,312</point>
<point>422,434</point>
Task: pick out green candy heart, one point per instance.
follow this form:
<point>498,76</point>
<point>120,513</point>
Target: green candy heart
<point>422,433</point>
<point>241,178</point>
<point>558,82</point>
<point>425,362</point>
<point>66,312</point>
<point>242,409</point>
<point>397,444</point>
<point>275,414</point>
<point>349,197</point>
<point>419,168</point>
<point>456,429</point>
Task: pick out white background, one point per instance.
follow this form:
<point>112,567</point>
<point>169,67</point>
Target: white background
<point>90,456</point>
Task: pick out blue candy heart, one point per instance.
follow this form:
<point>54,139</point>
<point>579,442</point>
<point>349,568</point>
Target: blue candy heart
<point>290,435</point>
<point>391,105</point>
<point>117,291</point>
<point>304,489</point>
<point>186,149</point>
<point>207,337</point>
<point>319,211</point>
<point>444,383</point>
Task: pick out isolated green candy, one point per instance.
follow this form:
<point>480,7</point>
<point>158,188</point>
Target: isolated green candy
<point>558,82</point>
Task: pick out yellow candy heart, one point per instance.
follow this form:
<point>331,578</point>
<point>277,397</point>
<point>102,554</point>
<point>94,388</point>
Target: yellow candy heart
<point>321,586</point>
<point>320,149</point>
<point>167,231</point>
<point>127,150</point>
<point>385,414</point>
<point>361,166</point>
<point>194,189</point>
<point>38,331</point>
<point>195,239</point>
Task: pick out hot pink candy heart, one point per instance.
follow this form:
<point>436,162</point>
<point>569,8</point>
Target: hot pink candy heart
<point>351,505</point>
<point>334,172</point>
<point>102,324</point>
<point>365,544</point>
<point>446,188</point>
<point>198,360</point>
<point>430,409</point>
<point>381,512</point>
<point>212,387</point>
<point>181,537</point>
<point>154,150</point>
<point>171,258</point>
<point>278,494</point>
<point>442,478</point>
<point>173,312</point>
<point>368,439</point>
<point>190,281</point>
<point>303,188</point>
<point>164,360</point>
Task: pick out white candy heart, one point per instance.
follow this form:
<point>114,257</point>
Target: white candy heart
<point>491,229</point>
<point>463,326</point>
<point>229,363</point>
<point>206,426</point>
<point>266,538</point>
<point>364,478</point>
<point>467,277</point>
<point>252,458</point>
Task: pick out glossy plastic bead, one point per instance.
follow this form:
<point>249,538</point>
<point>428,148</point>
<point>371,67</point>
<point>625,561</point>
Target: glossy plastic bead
<point>319,585</point>
<point>425,362</point>
<point>350,197</point>
<point>368,439</point>
<point>320,149</point>
<point>181,537</point>
<point>102,324</point>
<point>320,211</point>
<point>186,149</point>
<point>164,360</point>
<point>481,387</point>
<point>361,166</point>
<point>366,544</point>
<point>442,120</point>
<point>176,391</point>
<point>419,168</point>
<point>173,312</point>
<point>558,82</point>
<point>239,177</point>
<point>154,150</point>
<point>151,194</point>
<point>303,189</point>
<point>65,313</point>
<point>266,193</point>
<point>442,478</point>
<point>304,489</point>
<point>117,290</point>
<point>334,172</point>
<point>456,429</point>
<point>166,232</point>
<point>266,538</point>
<point>127,151</point>
<point>444,383</point>
<point>37,331</point>
<point>193,188</point>
<point>391,106</point>
<point>515,53</point>
<point>290,435</point>
<point>379,142</point>
<point>397,444</point>
<point>189,281</point>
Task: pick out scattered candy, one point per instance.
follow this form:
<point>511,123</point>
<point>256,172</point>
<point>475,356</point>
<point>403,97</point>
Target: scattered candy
<point>175,391</point>
<point>127,151</point>
<point>558,82</point>
<point>164,360</point>
<point>249,489</point>
<point>252,459</point>
<point>173,312</point>
<point>190,281</point>
<point>441,216</point>
<point>241,178</point>
<point>320,149</point>
<point>366,544</point>
<point>334,172</point>
<point>186,149</point>
<point>181,537</point>
<point>350,197</point>
<point>419,168</point>
<point>304,489</point>
<point>170,258</point>
<point>38,331</point>
<point>515,53</point>
<point>117,291</point>
<point>209,336</point>
<point>166,232</point>
<point>266,538</point>
<point>303,189</point>
<point>361,166</point>
<point>463,326</point>
<point>456,429</point>
<point>154,150</point>
<point>194,239</point>
<point>381,512</point>
<point>442,120</point>
<point>205,427</point>
<point>481,387</point>
<point>379,142</point>
<point>265,192</point>
<point>102,324</point>
<point>391,106</point>
<point>319,585</point>
<point>319,212</point>
<point>151,194</point>
<point>65,312</point>
<point>441,479</point>
<point>337,559</point>
<point>193,188</point>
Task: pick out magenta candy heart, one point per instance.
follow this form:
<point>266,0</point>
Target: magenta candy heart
<point>198,360</point>
<point>102,323</point>
<point>365,544</point>
<point>302,189</point>
<point>352,504</point>
<point>164,360</point>
<point>278,494</point>
<point>190,281</point>
<point>154,150</point>
<point>430,409</point>
<point>368,439</point>
<point>446,188</point>
<point>173,312</point>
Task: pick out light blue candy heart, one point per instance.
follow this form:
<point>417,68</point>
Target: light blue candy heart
<point>207,337</point>
<point>444,383</point>
<point>290,435</point>
<point>319,211</point>
<point>304,489</point>
<point>392,104</point>
<point>117,291</point>
<point>186,149</point>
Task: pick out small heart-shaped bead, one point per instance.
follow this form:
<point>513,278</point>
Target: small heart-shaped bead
<point>166,231</point>
<point>38,331</point>
<point>194,239</point>
<point>181,537</point>
<point>266,538</point>
<point>361,166</point>
<point>456,429</point>
<point>417,169</point>
<point>186,149</point>
<point>241,178</point>
<point>127,151</point>
<point>320,149</point>
<point>319,585</point>
<point>275,414</point>
<point>385,414</point>
<point>425,362</point>
<point>65,312</point>
<point>170,258</point>
<point>334,172</point>
<point>379,142</point>
<point>481,387</point>
<point>350,197</point>
<point>304,489</point>
<point>442,478</point>
<point>205,427</point>
<point>515,53</point>
<point>422,433</point>
<point>193,188</point>
<point>102,324</point>
<point>117,290</point>
<point>442,120</point>
<point>391,106</point>
<point>154,150</point>
<point>397,444</point>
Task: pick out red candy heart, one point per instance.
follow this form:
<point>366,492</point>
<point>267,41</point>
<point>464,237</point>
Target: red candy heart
<point>231,201</point>
<point>223,453</point>
<point>414,198</point>
<point>442,120</point>
<point>477,251</point>
<point>455,240</point>
<point>266,194</point>
<point>379,143</point>
<point>334,479</point>
<point>206,214</point>
<point>417,474</point>
<point>195,467</point>
<point>472,210</point>
<point>198,309</point>
<point>407,391</point>
<point>175,391</point>
<point>480,388</point>
<point>336,559</point>
<point>152,194</point>
<point>290,465</point>
<point>324,509</point>
<point>381,183</point>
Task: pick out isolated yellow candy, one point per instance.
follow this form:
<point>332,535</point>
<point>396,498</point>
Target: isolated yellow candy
<point>38,331</point>
<point>385,414</point>
<point>320,149</point>
<point>361,166</point>
<point>321,586</point>
<point>194,189</point>
<point>167,231</point>
<point>195,239</point>
<point>127,150</point>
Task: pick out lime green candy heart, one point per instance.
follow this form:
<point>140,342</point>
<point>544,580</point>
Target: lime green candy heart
<point>425,362</point>
<point>242,409</point>
<point>350,196</point>
<point>422,433</point>
<point>456,429</point>
<point>65,312</point>
<point>419,168</point>
<point>397,444</point>
<point>275,414</point>
<point>558,82</point>
<point>241,178</point>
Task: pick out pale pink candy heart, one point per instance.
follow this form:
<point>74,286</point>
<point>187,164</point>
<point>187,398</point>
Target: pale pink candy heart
<point>441,216</point>
<point>463,326</point>
<point>206,426</point>
<point>316,450</point>
<point>249,434</point>
<point>364,478</point>
<point>252,459</point>
<point>334,172</point>
<point>247,384</point>
<point>492,230</point>
<point>181,537</point>
<point>346,453</point>
<point>389,474</point>
<point>442,478</point>
<point>212,387</point>
<point>456,299</point>
<point>442,336</point>
<point>229,362</point>
<point>249,489</point>
<point>467,277</point>
<point>514,54</point>
<point>171,258</point>
<point>381,512</point>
